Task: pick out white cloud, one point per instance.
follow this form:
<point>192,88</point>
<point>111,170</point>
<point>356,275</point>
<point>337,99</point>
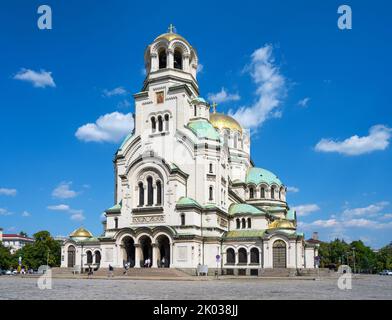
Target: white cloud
<point>378,139</point>
<point>111,127</point>
<point>63,191</point>
<point>59,207</point>
<point>8,192</point>
<point>369,211</point>
<point>26,214</point>
<point>386,216</point>
<point>304,102</point>
<point>223,96</point>
<point>270,90</point>
<point>306,209</point>
<point>200,68</point>
<point>124,104</point>
<point>40,79</point>
<point>5,212</point>
<point>78,217</point>
<point>75,214</point>
<point>352,218</point>
<point>119,91</point>
<point>292,189</point>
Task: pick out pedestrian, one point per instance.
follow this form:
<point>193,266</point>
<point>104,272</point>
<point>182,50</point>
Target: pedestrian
<point>163,262</point>
<point>90,271</point>
<point>111,273</point>
<point>126,267</point>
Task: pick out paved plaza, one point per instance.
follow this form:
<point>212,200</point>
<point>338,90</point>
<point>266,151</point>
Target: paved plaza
<point>363,287</point>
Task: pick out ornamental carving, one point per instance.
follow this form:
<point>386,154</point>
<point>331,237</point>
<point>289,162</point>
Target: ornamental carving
<point>148,219</point>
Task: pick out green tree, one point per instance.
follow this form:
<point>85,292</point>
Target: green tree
<point>23,234</point>
<point>384,258</point>
<point>5,257</point>
<point>36,254</point>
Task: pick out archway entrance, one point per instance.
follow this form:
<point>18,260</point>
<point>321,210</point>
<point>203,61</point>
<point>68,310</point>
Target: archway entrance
<point>146,251</point>
<point>71,256</point>
<point>279,254</point>
<point>129,251</point>
<point>164,251</point>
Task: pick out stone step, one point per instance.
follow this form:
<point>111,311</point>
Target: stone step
<point>142,272</point>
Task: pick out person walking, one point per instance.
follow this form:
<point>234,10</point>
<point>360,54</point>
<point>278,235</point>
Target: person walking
<point>111,271</point>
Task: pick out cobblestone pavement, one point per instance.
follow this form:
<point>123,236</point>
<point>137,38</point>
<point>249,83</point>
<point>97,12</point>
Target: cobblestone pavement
<point>364,287</point>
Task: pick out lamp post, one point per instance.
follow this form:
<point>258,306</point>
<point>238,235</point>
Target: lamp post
<point>354,258</point>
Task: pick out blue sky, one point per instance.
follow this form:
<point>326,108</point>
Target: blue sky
<point>321,122</point>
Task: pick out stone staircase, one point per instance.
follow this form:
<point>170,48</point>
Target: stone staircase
<point>133,272</point>
<point>277,272</point>
<point>143,272</point>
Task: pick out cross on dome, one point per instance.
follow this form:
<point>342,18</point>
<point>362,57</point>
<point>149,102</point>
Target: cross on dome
<point>171,28</point>
<point>214,105</point>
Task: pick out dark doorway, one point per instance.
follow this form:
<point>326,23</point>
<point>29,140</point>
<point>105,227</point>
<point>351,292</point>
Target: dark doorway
<point>164,251</point>
<point>279,254</point>
<point>71,256</point>
<point>146,248</point>
<point>129,248</point>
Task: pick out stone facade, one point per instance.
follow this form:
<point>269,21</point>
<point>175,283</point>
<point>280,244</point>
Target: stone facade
<point>186,189</point>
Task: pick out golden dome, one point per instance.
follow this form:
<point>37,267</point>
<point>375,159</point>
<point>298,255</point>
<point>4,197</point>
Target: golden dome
<point>81,233</point>
<point>222,121</point>
<point>281,224</point>
<point>169,36</point>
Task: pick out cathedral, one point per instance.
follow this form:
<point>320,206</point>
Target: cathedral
<point>187,193</point>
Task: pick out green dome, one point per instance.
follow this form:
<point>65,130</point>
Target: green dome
<point>202,128</point>
<point>243,208</point>
<point>259,175</point>
<point>129,136</point>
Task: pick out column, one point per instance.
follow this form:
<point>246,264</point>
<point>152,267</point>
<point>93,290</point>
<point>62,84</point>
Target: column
<point>138,255</point>
<point>170,58</point>
<point>155,255</point>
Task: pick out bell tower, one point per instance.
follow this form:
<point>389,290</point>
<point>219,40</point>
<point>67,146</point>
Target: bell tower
<point>170,91</point>
<point>171,57</point>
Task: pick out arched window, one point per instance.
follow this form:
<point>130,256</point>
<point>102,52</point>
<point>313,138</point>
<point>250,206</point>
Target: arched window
<point>249,223</point>
<point>153,124</point>
<point>141,194</point>
<point>242,256</point>
<point>97,257</point>
<point>254,256</point>
<point>160,124</point>
<point>162,59</point>
<point>89,257</point>
<point>235,141</point>
<point>177,59</point>
<point>238,224</point>
<point>211,167</point>
<point>230,256</point>
<point>183,219</point>
<point>159,193</point>
<point>211,193</point>
<point>262,193</point>
<point>251,193</point>
<point>226,138</point>
<point>116,223</point>
<point>243,222</point>
<point>166,122</point>
<point>272,193</point>
<point>150,192</point>
<point>195,111</point>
